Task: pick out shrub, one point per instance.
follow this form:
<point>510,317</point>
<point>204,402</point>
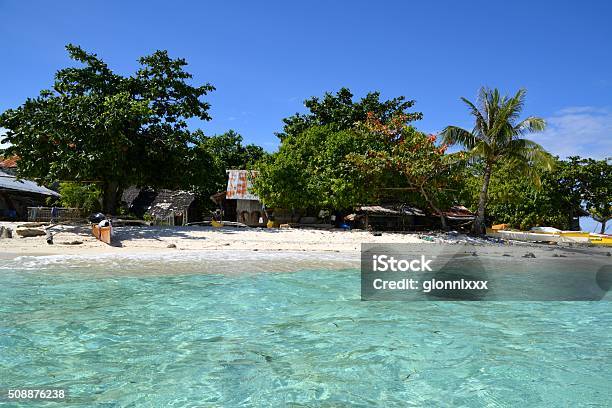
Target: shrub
<point>84,196</point>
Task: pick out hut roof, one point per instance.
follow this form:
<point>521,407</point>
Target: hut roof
<point>158,203</point>
<point>458,212</point>
<point>9,164</point>
<point>240,186</point>
<point>400,209</point>
<point>10,182</point>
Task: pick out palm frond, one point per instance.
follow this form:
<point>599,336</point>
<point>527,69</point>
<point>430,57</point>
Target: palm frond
<point>531,124</point>
<point>481,123</point>
<point>455,135</point>
<point>516,105</point>
<point>531,153</point>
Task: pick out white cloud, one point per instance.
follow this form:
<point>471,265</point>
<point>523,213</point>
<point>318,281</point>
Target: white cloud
<point>578,131</point>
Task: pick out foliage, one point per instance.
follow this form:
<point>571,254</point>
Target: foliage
<point>84,196</point>
<point>595,187</point>
<point>96,125</point>
<point>213,156</point>
<point>340,112</point>
<point>497,135</point>
<point>423,165</point>
<point>310,170</point>
<point>516,200</point>
<point>573,188</point>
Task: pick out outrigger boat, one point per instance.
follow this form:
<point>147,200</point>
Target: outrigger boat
<point>549,234</point>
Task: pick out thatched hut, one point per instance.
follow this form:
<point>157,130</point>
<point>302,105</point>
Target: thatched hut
<point>172,207</point>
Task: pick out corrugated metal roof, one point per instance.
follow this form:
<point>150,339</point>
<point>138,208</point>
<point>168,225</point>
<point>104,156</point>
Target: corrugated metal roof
<point>459,211</point>
<point>10,182</point>
<point>391,210</point>
<point>240,186</point>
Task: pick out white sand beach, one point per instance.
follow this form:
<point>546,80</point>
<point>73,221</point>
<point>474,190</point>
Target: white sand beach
<point>155,239</point>
<point>78,240</point>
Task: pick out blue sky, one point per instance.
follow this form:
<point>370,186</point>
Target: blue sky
<point>265,58</point>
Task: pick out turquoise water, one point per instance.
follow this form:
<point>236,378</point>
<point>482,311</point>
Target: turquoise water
<point>287,339</point>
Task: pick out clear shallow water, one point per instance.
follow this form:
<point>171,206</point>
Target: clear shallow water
<point>286,339</point>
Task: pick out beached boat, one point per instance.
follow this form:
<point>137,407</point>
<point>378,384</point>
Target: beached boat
<point>601,239</point>
<point>102,233</point>
<point>549,234</point>
<point>527,236</point>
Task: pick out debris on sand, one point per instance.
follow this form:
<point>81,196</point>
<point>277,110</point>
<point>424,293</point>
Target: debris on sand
<point>70,243</point>
<point>30,232</point>
<point>6,232</point>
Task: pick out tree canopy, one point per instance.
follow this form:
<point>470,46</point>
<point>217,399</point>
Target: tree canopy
<point>340,112</point>
<point>212,156</point>
<point>421,164</point>
<point>98,126</point>
<point>310,170</point>
<point>594,184</point>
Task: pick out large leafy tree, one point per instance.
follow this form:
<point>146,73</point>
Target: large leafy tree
<point>496,136</point>
<point>311,170</point>
<point>212,156</point>
<point>340,112</point>
<point>421,163</point>
<point>98,126</point>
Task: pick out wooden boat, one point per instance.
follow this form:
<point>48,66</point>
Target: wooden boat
<point>102,233</point>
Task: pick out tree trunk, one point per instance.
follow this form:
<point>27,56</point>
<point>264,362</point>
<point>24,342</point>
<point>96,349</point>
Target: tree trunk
<point>435,208</point>
<point>109,201</point>
<point>603,225</point>
<point>478,227</point>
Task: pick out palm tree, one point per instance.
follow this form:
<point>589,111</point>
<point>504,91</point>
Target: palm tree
<point>497,135</point>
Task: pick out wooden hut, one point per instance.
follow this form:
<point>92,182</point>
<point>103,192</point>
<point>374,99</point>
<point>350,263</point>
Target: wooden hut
<point>238,202</point>
<point>16,195</point>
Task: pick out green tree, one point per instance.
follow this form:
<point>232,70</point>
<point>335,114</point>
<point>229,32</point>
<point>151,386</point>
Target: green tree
<point>497,135</point>
<point>213,156</point>
<point>97,126</point>
<point>422,165</point>
<point>340,112</point>
<point>516,200</point>
<point>84,196</point>
<point>595,187</point>
<point>310,170</point>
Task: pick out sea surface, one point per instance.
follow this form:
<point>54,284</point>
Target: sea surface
<point>282,330</point>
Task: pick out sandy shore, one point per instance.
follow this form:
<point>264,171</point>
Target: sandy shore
<point>142,240</point>
<point>155,239</point>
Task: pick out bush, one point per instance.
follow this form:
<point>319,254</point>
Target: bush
<point>84,196</point>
